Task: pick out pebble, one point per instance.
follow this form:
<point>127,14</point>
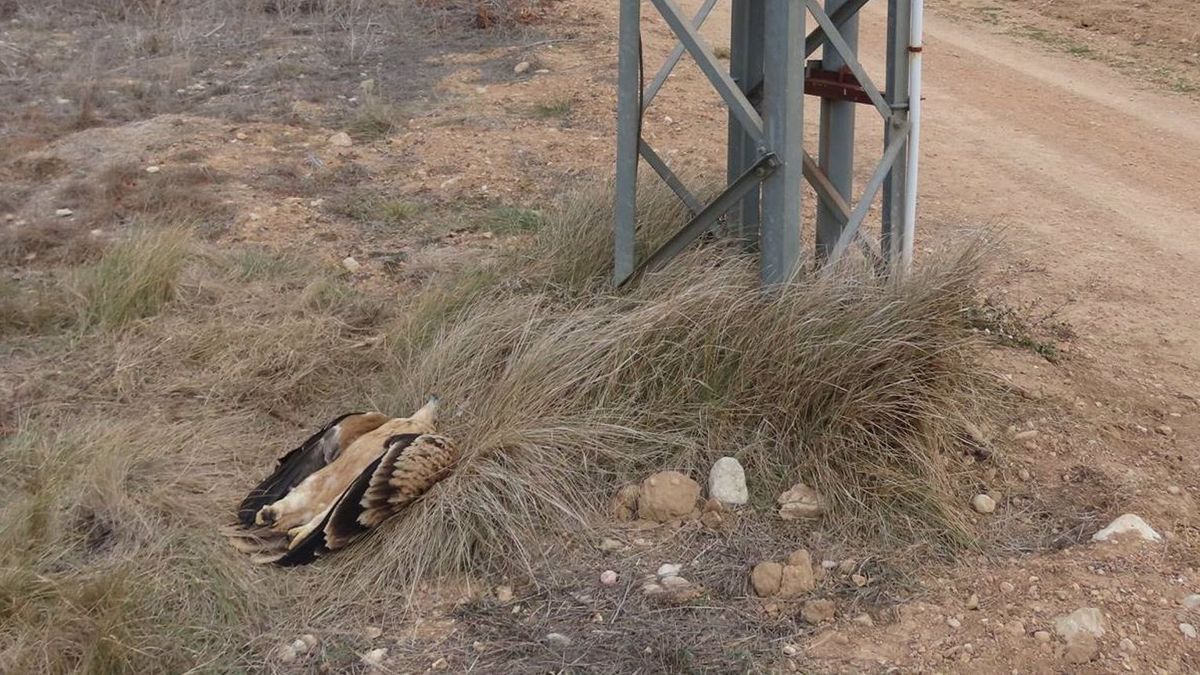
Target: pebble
<point>1191,601</point>
<point>351,264</point>
<point>504,593</point>
<point>801,502</point>
<point>859,580</point>
<point>816,611</point>
<point>341,140</point>
<point>651,588</point>
<point>609,545</point>
<point>1128,523</point>
<point>375,657</point>
<point>667,570</point>
<point>973,601</point>
<point>790,650</point>
<point>953,623</point>
<point>310,640</point>
<point>864,619</point>
<point>300,646</point>
<point>1028,434</point>
<point>241,136</point>
<point>440,664</point>
<point>521,68</point>
<point>558,640</point>
<point>1017,627</point>
<point>1174,489</point>
<point>1083,620</point>
<point>828,564</point>
<point>608,578</point>
<point>1023,474</point>
<point>674,583</point>
<point>153,169</point>
<point>1164,430</point>
<point>1007,587</point>
<point>1188,630</point>
<point>373,632</point>
<point>983,503</point>
<point>1041,636</point>
<point>64,213</point>
<point>1081,648</point>
<point>1126,645</point>
<point>727,482</point>
<point>847,566</point>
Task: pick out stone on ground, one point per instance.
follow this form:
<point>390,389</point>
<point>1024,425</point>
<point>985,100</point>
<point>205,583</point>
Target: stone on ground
<point>816,611</point>
<point>341,140</point>
<point>1083,620</point>
<point>983,503</point>
<point>727,482</point>
<point>1128,524</point>
<point>766,577</point>
<point>667,495</point>
<point>801,502</point>
<point>796,580</point>
<point>1081,648</point>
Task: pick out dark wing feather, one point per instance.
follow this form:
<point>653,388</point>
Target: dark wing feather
<point>294,467</point>
<point>409,465</point>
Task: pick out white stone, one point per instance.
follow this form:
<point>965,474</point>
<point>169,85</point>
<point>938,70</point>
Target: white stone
<point>64,213</point>
<point>351,264</point>
<point>375,657</point>
<point>299,646</point>
<point>341,140</point>
<point>608,578</point>
<point>983,503</point>
<point>1191,601</point>
<point>1188,630</point>
<point>609,545</point>
<point>727,482</point>
<point>800,501</point>
<point>558,640</point>
<point>521,68</point>
<point>674,583</point>
<point>1083,620</point>
<point>790,650</point>
<point>373,632</point>
<point>153,169</point>
<point>1127,523</point>
<point>667,570</point>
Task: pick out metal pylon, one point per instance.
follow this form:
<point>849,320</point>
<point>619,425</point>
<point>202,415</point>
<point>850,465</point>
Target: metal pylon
<point>763,88</point>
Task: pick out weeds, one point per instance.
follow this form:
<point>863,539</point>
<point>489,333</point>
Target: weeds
<point>133,280</point>
<point>560,107</point>
<point>513,220</point>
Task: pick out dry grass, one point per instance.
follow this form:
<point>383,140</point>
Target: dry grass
<point>133,280</point>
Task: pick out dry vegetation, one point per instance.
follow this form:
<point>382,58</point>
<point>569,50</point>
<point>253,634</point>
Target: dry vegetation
<point>153,372</point>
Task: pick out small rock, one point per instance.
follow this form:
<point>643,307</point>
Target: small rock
<point>667,570</point>
<point>1126,645</point>
<point>341,140</point>
<point>64,213</point>
<point>608,578</point>
<point>542,71</point>
<point>1041,636</point>
<point>953,623</point>
<point>766,577</point>
<point>796,580</point>
<point>504,593</point>
<point>667,495</point>
<point>973,601</point>
<point>558,640</point>
<point>1084,620</point>
<point>790,650</point>
<point>1164,430</point>
<point>1191,601</point>
<point>816,611</point>
<point>1023,474</point>
<point>241,136</point>
<point>310,640</point>
<point>153,169</point>
<point>1007,587</point>
<point>727,482</point>
<point>521,68</point>
<point>1017,627</point>
<point>609,545</point>
<point>1188,630</point>
<point>983,503</point>
<point>287,654</point>
<point>829,565</point>
<point>801,501</point>
<point>847,566</point>
<point>351,264</point>
<point>1081,648</point>
<point>375,657</point>
<point>299,646</point>
<point>651,588</point>
<point>1173,489</point>
<point>440,664</point>
<point>1128,523</point>
<point>674,583</point>
<point>858,580</point>
<point>1026,435</point>
<point>373,632</point>
<point>864,619</point>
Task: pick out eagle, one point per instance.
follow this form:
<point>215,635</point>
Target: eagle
<point>356,472</point>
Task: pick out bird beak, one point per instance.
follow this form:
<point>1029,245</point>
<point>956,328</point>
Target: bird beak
<point>428,412</point>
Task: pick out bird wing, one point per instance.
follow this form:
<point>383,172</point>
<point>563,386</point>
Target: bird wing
<point>320,449</point>
<point>409,465</point>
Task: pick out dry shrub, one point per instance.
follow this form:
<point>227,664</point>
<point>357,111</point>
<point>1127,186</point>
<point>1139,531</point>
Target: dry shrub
<point>107,559</point>
<point>133,280</point>
<point>859,385</point>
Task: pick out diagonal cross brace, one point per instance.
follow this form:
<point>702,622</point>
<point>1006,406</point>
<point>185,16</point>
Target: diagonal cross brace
<point>839,43</point>
<point>839,16</point>
<point>703,222</point>
<point>738,104</point>
<point>673,59</point>
<point>899,141</point>
<point>664,172</point>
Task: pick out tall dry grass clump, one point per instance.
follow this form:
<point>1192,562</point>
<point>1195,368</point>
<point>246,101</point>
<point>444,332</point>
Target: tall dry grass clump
<point>134,279</point>
<point>858,385</point>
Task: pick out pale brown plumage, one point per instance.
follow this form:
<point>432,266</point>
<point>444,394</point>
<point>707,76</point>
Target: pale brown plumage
<point>349,477</point>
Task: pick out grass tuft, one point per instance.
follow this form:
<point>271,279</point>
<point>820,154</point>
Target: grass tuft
<point>134,279</point>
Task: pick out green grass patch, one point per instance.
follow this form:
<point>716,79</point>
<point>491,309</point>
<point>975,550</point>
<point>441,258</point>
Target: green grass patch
<point>133,280</point>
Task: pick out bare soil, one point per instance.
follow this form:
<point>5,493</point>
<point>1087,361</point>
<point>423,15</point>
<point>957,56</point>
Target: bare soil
<point>1069,124</point>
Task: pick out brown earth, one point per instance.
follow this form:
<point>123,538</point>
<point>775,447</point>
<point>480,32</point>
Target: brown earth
<point>1088,166</point>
